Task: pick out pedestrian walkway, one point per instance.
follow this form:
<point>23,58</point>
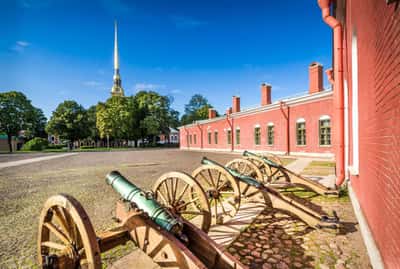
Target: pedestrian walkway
<point>299,165</point>
<point>34,160</point>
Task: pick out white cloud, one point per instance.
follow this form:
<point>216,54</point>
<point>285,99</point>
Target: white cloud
<point>148,87</point>
<point>20,46</point>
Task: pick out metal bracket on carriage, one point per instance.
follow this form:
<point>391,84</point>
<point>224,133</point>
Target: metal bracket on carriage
<point>328,219</point>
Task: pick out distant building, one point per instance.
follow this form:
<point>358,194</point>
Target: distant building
<point>53,139</point>
<point>116,89</point>
<point>171,138</point>
<point>299,125</point>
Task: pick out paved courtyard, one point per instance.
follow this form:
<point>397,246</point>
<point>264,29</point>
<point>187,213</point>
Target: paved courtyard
<point>273,240</point>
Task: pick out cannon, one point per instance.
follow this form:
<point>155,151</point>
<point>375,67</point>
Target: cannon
<point>67,238</point>
<point>271,171</point>
<point>216,180</point>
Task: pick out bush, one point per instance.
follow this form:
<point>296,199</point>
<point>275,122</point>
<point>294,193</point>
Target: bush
<point>87,147</point>
<point>36,143</point>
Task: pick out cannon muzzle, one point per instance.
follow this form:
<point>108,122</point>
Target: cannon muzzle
<point>130,192</point>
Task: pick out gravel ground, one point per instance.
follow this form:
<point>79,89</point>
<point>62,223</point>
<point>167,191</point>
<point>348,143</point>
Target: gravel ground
<point>24,189</point>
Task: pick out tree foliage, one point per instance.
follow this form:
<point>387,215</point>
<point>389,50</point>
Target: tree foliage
<point>113,118</point>
<point>141,116</point>
<point>69,121</point>
<point>17,114</point>
<point>196,109</point>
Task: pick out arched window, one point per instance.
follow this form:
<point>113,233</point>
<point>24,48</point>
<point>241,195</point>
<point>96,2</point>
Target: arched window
<point>270,133</point>
<point>325,130</point>
<point>209,137</point>
<point>195,139</point>
<point>216,137</point>
<point>301,132</point>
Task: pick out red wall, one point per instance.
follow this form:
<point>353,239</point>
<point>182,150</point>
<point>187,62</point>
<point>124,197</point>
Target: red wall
<point>311,111</point>
<point>377,27</point>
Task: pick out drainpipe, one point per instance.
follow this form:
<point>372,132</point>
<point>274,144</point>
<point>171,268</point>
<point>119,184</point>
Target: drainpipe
<point>230,122</point>
<point>286,116</point>
<point>201,135</point>
<point>337,79</point>
<point>187,137</point>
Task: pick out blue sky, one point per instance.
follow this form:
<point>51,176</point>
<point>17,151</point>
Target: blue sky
<point>53,50</point>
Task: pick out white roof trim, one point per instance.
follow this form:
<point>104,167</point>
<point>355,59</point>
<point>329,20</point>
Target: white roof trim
<point>325,117</point>
<point>300,120</point>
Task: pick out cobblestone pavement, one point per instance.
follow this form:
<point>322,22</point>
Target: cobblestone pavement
<point>278,240</point>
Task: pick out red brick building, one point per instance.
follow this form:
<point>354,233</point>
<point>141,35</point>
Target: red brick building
<point>363,111</point>
<point>299,125</point>
<point>366,79</point>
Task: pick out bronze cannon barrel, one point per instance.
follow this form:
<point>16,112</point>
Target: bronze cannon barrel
<point>264,159</point>
<point>149,205</point>
<point>246,179</point>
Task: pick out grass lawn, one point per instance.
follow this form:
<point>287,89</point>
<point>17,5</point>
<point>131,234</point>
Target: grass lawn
<point>320,168</point>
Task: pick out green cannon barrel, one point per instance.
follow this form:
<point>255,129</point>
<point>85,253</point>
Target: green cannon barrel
<point>134,194</point>
<point>246,179</point>
<point>264,159</point>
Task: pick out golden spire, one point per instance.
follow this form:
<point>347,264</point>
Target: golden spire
<point>116,63</point>
<point>116,89</point>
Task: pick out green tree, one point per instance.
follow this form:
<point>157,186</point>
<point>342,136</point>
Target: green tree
<point>69,121</point>
<point>112,118</point>
<point>155,114</point>
<point>91,118</point>
<point>37,124</point>
<point>16,114</point>
<point>196,109</point>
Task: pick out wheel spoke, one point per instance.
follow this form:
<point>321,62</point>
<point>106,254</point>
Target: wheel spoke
<point>165,185</point>
<point>223,184</point>
<point>218,179</point>
<point>187,203</point>
<point>222,206</point>
<point>182,192</point>
<point>61,221</point>
<point>162,197</point>
<point>192,212</point>
<point>57,232</point>
<point>175,189</point>
<point>211,177</point>
<point>53,245</point>
<point>216,210</point>
<point>206,180</point>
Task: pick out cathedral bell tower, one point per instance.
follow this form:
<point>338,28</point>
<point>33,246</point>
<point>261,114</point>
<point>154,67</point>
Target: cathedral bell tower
<point>116,89</point>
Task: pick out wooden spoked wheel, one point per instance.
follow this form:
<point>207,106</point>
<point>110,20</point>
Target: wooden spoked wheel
<point>271,175</point>
<point>66,236</point>
<point>247,168</point>
<point>184,196</point>
<point>222,191</point>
